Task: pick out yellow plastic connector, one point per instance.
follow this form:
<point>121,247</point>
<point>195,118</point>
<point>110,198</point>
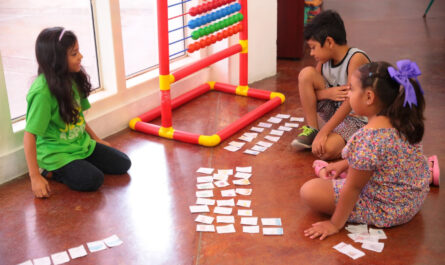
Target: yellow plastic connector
<point>245,45</point>
<point>164,81</point>
<point>277,94</point>
<point>166,132</point>
<point>209,140</point>
<point>133,122</point>
<point>242,90</point>
<point>211,84</point>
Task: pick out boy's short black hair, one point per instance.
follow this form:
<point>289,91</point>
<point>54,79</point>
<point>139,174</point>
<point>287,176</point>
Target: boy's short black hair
<point>326,24</point>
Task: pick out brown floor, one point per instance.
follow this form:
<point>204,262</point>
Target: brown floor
<point>148,208</point>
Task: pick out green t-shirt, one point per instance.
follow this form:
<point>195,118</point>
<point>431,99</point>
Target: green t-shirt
<point>57,143</point>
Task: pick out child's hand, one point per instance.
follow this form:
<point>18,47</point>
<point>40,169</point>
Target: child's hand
<point>321,229</point>
<point>40,187</point>
<point>338,93</point>
<point>318,145</point>
<point>333,170</point>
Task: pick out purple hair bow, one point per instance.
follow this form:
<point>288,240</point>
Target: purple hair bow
<point>407,70</point>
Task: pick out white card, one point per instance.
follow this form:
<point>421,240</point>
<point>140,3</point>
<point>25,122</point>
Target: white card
<point>77,252</point>
<point>299,119</point>
<point>204,193</point>
<point>227,172</point>
<point>274,120</point>
<point>374,246</point>
<point>205,228</point>
<point>265,144</point>
<point>356,229</point>
<point>42,261</point>
<point>253,229</point>
<point>244,169</point>
<point>60,257</point>
<point>241,182</point>
<point>246,138</point>
<point>204,219</point>
<point>249,220</point>
<point>204,179</point>
<point>228,193</point>
<point>271,221</point>
<point>205,186</point>
<point>205,170</point>
<point>225,229</point>
<point>28,262</point>
<point>253,135</point>
<point>232,148</point>
<point>340,246</point>
<point>218,176</point>
<point>244,203</point>
<point>96,246</point>
<point>199,208</point>
<point>113,241</point>
<point>259,148</point>
<point>242,175</point>
<point>377,232</point>
<point>271,231</point>
<point>272,138</point>
<point>244,212</point>
<point>237,144</point>
<point>222,210</point>
<point>265,124</point>
<point>221,183</point>
<point>257,129</point>
<point>230,219</point>
<point>276,132</point>
<point>251,152</point>
<point>283,116</point>
<point>205,201</point>
<point>243,191</point>
<point>292,125</point>
<point>352,252</point>
<point>230,202</point>
<point>284,128</point>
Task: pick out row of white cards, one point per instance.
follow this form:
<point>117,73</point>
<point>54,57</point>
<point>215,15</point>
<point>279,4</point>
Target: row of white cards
<point>273,137</point>
<point>368,238</point>
<point>220,178</point>
<point>76,252</point>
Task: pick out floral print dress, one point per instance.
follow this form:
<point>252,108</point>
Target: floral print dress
<point>400,180</point>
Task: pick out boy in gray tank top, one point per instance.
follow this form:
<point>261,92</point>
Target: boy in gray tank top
<point>324,88</point>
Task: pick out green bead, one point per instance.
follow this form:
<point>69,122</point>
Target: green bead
<point>195,35</point>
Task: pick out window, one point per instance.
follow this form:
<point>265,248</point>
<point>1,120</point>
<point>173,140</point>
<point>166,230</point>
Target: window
<point>20,24</point>
<point>140,37</point>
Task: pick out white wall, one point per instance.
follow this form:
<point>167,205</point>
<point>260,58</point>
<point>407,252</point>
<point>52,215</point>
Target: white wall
<point>117,103</point>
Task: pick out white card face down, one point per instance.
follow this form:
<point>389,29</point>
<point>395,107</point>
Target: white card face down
<point>271,221</point>
<point>244,169</point>
<point>222,210</point>
<point>225,219</point>
<point>232,148</point>
<point>252,229</point>
<point>272,231</point>
<point>265,124</point>
<point>204,219</point>
<point>205,228</point>
<point>230,202</point>
<point>249,220</point>
<point>199,209</point>
<point>204,193</point>
<point>77,252</point>
<point>205,201</point>
<point>225,229</point>
<point>205,170</point>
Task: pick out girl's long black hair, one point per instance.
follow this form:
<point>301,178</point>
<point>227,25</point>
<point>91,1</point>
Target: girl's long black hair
<point>51,54</point>
<point>409,121</point>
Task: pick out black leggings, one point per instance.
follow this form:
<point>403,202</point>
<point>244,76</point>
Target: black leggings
<point>88,174</point>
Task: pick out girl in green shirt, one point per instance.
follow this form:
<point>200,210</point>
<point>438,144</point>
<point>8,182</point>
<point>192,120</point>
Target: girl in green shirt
<point>57,137</point>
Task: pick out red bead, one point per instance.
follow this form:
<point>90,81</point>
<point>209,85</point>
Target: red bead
<point>219,36</point>
<point>200,9</point>
<point>225,34</point>
<point>192,11</point>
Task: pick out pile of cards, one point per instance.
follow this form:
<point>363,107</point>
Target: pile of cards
<point>368,238</point>
<point>217,185</point>
<point>76,252</point>
<point>273,134</point>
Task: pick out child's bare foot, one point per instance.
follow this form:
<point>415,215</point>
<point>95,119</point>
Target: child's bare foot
<point>433,164</point>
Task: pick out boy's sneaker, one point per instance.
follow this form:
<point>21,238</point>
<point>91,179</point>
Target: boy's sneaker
<point>304,140</point>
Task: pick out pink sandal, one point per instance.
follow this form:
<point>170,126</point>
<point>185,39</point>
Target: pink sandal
<point>435,169</point>
<point>320,164</point>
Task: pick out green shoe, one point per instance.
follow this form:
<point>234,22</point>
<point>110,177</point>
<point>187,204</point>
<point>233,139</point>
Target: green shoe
<point>304,139</point>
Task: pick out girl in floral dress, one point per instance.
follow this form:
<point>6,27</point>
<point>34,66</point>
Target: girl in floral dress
<point>388,177</point>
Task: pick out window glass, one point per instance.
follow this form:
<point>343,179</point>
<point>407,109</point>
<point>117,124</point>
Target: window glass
<point>140,33</point>
<point>20,24</point>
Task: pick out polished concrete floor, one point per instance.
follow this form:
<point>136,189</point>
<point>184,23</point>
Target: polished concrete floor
<point>148,207</point>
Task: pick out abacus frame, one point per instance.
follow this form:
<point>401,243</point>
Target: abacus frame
<point>141,123</point>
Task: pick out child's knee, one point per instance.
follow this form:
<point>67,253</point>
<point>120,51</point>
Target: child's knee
<point>124,165</point>
<point>308,190</point>
<point>88,183</point>
<point>306,73</point>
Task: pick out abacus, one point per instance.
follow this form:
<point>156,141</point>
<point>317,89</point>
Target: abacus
<point>215,20</point>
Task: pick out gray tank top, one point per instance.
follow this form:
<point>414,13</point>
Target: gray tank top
<point>337,75</point>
